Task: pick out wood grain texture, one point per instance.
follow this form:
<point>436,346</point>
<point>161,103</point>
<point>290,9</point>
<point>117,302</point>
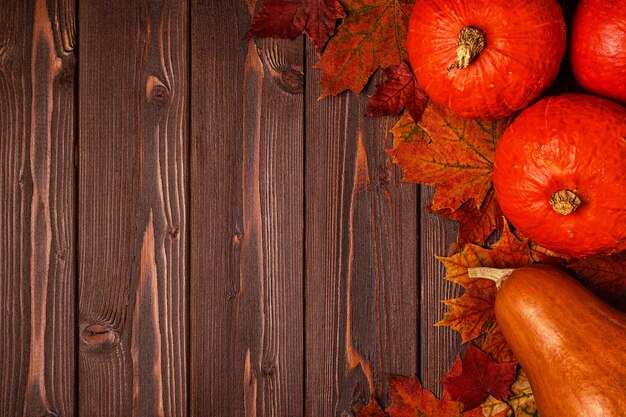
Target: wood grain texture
<point>247,192</point>
<point>37,218</point>
<point>361,255</point>
<point>133,118</point>
<point>439,345</point>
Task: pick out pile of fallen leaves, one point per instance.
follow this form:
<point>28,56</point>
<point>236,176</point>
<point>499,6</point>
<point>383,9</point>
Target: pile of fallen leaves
<point>434,146</point>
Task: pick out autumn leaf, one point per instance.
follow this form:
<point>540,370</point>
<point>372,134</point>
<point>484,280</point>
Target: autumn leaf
<point>493,341</point>
<point>407,398</point>
<point>493,407</point>
<point>372,35</point>
<point>543,255</point>
<point>472,314</point>
<point>605,276</point>
<point>480,377</point>
<point>457,156</point>
<point>397,91</point>
<point>522,402</point>
<point>508,252</point>
<point>476,224</point>
<point>287,19</point>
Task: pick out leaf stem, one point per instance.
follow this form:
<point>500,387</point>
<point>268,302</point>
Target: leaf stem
<point>497,275</point>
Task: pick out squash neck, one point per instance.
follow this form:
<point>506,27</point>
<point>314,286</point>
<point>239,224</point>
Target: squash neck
<point>497,275</point>
<point>565,202</point>
<point>470,43</point>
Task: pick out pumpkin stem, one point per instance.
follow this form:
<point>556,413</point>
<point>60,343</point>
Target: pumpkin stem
<point>497,275</point>
<point>471,42</point>
<point>564,202</point>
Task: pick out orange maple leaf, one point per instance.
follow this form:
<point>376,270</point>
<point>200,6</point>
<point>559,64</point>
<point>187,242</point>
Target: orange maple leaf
<point>472,314</point>
<point>373,35</point>
<point>452,153</point>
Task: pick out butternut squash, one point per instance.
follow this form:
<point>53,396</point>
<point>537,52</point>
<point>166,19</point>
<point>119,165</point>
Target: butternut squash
<point>571,344</point>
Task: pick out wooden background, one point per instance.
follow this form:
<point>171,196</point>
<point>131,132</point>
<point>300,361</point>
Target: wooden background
<point>186,230</point>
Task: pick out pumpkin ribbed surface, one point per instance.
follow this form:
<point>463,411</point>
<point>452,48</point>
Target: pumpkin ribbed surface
<point>560,174</point>
<point>519,55</point>
<point>598,47</point>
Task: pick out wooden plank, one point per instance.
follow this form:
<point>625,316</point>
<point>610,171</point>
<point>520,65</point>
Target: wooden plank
<point>361,255</point>
<point>133,119</point>
<point>439,344</point>
<point>37,217</point>
<point>247,216</point>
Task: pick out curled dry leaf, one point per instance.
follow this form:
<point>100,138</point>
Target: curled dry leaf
<point>288,19</point>
<point>492,407</point>
<point>522,402</point>
<point>372,35</point>
<point>398,90</point>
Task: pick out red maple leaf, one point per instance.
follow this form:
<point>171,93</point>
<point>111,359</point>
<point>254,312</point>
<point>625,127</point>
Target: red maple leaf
<point>289,18</point>
<point>397,91</point>
<point>452,153</point>
<point>476,224</point>
<point>373,35</point>
<point>605,276</point>
<point>407,398</point>
<point>480,376</point>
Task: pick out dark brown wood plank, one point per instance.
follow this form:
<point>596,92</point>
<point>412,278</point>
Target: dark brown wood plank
<point>133,118</point>
<point>439,345</point>
<point>247,214</point>
<point>361,255</point>
<point>37,217</point>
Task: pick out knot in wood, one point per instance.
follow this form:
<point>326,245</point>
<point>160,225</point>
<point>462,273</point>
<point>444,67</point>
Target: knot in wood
<point>289,79</point>
<point>160,95</point>
<point>157,92</point>
<point>99,336</point>
<point>66,77</point>
<point>172,232</point>
<point>268,370</point>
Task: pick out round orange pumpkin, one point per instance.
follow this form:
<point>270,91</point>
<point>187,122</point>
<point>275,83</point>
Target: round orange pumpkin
<point>598,47</point>
<point>560,174</point>
<point>486,58</point>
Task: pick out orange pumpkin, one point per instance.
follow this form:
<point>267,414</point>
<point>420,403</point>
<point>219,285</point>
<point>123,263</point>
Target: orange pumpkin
<point>560,174</point>
<point>571,345</point>
<point>598,47</point>
<point>486,58</point>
